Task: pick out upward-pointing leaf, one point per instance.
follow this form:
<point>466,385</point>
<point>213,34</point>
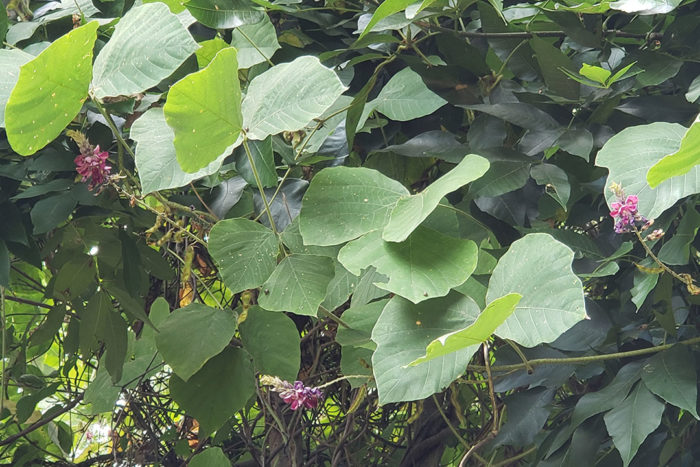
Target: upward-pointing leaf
<point>681,161</point>
<point>539,268</point>
<point>473,335</point>
<point>288,96</point>
<point>406,97</point>
<point>387,8</point>
<point>135,58</point>
<point>410,211</point>
<point>362,201</point>
<point>671,375</point>
<point>204,110</point>
<point>50,91</point>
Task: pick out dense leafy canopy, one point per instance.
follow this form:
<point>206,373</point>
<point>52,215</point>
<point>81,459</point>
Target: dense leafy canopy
<point>347,233</point>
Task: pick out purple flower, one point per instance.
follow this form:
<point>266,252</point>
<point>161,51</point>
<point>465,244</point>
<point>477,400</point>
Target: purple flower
<point>624,211</point>
<point>296,395</point>
<point>92,165</point>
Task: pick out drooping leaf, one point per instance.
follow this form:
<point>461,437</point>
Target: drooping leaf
<point>632,152</point>
<point>217,391</point>
<point>681,161</point>
<point>264,160</point>
<point>50,91</point>
<point>476,333</point>
<point>204,111</point>
<point>135,59</point>
<point>298,284</point>
<point>527,413</point>
<point>555,180</point>
<point>192,335</point>
<point>410,211</point>
<point>362,201</point>
<point>406,97</point>
<point>428,264</point>
<point>551,59</point>
<point>633,420</point>
<point>502,177</point>
<point>677,249</point>
<point>225,14</point>
<point>10,62</point>
<point>156,161</point>
<point>245,252</point>
<point>273,341</point>
<point>208,50</point>
<point>387,8</point>
<point>339,288</point>
<point>402,333</point>
<point>539,268</point>
<point>671,375</point>
<point>288,96</point>
<point>645,7</point>
<point>255,43</point>
<point>50,212</point>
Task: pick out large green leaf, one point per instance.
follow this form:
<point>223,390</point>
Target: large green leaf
<point>204,110</point>
<point>410,211</point>
<point>50,91</point>
<point>502,177</point>
<point>676,251</point>
<point>680,162</point>
<point>539,268</point>
<point>288,96</point>
<point>155,154</point>
<point>428,264</point>
<point>362,201</point>
<point>225,14</point>
<point>527,413</point>
<point>10,62</point>
<point>473,335</point>
<point>264,160</point>
<point>633,420</point>
<point>402,333</point>
<point>298,284</point>
<point>135,58</point>
<point>245,252</point>
<point>406,97</point>
<point>210,457</point>
<point>192,335</point>
<point>273,341</point>
<point>255,43</point>
<point>645,7</point>
<point>632,152</point>
<point>671,375</point>
<point>217,391</point>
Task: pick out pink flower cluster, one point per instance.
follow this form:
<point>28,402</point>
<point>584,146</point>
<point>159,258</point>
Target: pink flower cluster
<point>624,211</point>
<point>92,165</point>
<point>296,395</point>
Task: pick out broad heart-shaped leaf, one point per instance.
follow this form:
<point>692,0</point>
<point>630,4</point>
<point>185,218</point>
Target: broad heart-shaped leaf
<point>671,376</point>
<point>204,110</point>
<point>217,391</point>
<point>406,97</point>
<point>50,91</point>
<point>225,14</point>
<point>678,163</point>
<point>155,154</point>
<point>245,252</point>
<point>298,284</point>
<point>403,331</point>
<point>410,211</point>
<point>192,335</point>
<point>539,268</point>
<point>633,420</point>
<point>135,58</point>
<point>210,457</point>
<point>288,96</point>
<point>428,264</point>
<point>473,335</point>
<point>362,201</point>
<point>273,341</point>
<point>255,43</point>
<point>10,62</point>
<point>387,8</point>
<point>632,152</point>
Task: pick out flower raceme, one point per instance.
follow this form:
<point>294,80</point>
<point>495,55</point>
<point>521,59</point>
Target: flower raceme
<point>295,395</point>
<point>92,165</point>
<point>624,211</point>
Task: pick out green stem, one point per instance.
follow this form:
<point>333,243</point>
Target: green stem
<point>343,378</point>
<point>261,189</point>
<point>686,281</point>
<point>520,354</point>
<point>115,130</point>
<point>269,62</point>
<point>454,431</point>
<point>584,360</point>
